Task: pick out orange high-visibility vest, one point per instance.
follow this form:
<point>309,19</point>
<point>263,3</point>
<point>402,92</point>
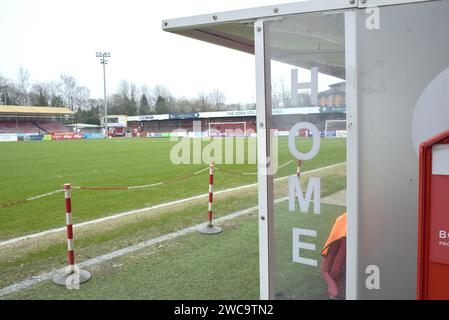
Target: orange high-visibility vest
<point>338,231</point>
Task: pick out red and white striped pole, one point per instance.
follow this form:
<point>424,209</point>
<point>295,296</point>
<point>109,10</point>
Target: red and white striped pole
<point>210,228</point>
<point>72,276</point>
<point>211,195</point>
<point>68,217</point>
<point>298,168</point>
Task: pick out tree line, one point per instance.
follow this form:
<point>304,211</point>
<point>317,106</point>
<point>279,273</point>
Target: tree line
<point>129,99</point>
<point>65,92</point>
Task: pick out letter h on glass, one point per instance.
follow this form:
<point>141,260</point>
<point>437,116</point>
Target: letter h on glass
<point>312,85</point>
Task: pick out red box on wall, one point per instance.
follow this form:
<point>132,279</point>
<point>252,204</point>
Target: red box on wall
<point>433,236</point>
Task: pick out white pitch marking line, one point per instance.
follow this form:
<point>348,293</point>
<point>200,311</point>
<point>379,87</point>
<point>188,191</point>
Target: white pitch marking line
<point>117,253</point>
<point>202,170</point>
<point>285,164</point>
<point>44,195</point>
<point>146,185</point>
<point>163,205</point>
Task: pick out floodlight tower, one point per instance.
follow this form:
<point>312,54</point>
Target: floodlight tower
<point>104,62</point>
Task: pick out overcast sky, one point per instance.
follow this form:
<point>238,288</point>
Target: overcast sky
<point>50,37</point>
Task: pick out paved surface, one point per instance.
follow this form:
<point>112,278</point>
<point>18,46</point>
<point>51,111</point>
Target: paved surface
<point>338,198</point>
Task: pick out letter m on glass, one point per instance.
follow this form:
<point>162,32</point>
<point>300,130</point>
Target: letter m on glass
<point>295,191</point>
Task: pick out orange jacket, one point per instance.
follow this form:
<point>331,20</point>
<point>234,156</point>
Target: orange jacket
<point>338,231</point>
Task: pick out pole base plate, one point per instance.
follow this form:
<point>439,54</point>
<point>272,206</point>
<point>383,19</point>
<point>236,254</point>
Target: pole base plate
<point>210,230</point>
<point>71,279</point>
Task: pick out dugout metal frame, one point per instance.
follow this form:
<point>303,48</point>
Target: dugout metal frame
<point>363,246</point>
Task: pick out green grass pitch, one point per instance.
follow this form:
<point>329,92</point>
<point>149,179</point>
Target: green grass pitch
<point>33,168</point>
<point>180,269</point>
<point>195,266</point>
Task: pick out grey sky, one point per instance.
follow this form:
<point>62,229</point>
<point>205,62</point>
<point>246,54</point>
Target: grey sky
<point>50,37</point>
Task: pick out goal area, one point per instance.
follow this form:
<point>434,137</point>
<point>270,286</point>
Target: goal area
<point>227,129</point>
<point>335,129</point>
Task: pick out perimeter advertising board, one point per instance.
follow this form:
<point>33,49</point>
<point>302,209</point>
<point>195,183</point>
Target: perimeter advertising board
<point>66,136</point>
<point>4,137</point>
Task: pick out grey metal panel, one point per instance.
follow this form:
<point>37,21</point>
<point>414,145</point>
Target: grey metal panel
<point>315,40</point>
<point>352,272</point>
<point>238,36</point>
<point>251,14</point>
<point>264,177</point>
<point>395,64</point>
<point>378,3</point>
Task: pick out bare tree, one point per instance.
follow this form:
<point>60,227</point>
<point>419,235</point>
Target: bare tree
<point>124,89</point>
<point>55,92</point>
<point>275,96</point>
<point>39,95</point>
<point>280,94</point>
<point>75,97</point>
<point>24,85</point>
<point>151,99</point>
<point>3,90</point>
<point>10,93</point>
<point>217,98</point>
<point>202,102</point>
<point>183,104</point>
<point>68,86</point>
<point>81,98</point>
<point>284,93</point>
<point>133,92</point>
<point>144,90</point>
<point>161,91</point>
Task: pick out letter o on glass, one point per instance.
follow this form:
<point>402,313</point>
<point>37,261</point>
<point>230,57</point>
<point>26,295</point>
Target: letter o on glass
<point>315,141</point>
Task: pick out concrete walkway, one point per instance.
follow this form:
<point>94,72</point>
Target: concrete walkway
<point>338,198</point>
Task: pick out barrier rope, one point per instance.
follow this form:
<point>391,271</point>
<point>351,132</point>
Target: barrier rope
<point>135,187</point>
<point>245,173</point>
<point>106,188</point>
<point>12,203</point>
<point>22,201</point>
<point>230,171</point>
<point>99,188</point>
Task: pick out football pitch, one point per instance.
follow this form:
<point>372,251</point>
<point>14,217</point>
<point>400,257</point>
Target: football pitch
<point>36,168</point>
<point>179,268</point>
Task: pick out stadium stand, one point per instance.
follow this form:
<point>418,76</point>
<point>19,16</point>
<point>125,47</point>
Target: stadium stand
<point>282,119</point>
<point>34,120</point>
<point>51,126</point>
<point>10,126</point>
<point>285,122</point>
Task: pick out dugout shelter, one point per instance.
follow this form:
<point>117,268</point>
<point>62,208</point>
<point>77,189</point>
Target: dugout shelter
<point>393,57</point>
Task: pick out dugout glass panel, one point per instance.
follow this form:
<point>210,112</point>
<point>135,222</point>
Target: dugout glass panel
<point>306,56</point>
